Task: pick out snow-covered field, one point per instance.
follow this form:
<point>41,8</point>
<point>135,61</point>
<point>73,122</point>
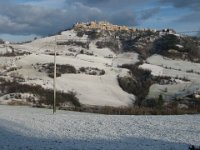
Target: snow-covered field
<point>24,128</point>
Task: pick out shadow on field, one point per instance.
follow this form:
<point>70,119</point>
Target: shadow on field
<point>12,139</point>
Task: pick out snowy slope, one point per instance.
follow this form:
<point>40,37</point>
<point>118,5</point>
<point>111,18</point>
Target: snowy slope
<point>162,66</point>
<point>125,58</point>
<point>4,49</point>
<point>91,90</point>
<point>25,128</point>
<point>101,90</point>
<point>84,52</point>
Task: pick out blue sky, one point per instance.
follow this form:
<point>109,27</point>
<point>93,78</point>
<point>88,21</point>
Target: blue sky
<point>22,20</point>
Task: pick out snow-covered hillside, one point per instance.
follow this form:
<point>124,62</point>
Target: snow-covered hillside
<point>102,90</point>
<point>23,128</point>
<point>163,66</point>
<point>92,61</point>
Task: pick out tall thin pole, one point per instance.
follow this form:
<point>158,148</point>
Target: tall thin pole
<point>7,45</point>
<point>54,81</point>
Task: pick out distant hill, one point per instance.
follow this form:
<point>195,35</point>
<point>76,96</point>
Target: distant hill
<point>100,64</point>
<point>146,42</point>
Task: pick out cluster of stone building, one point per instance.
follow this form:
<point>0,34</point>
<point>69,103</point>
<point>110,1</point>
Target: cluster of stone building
<point>102,25</point>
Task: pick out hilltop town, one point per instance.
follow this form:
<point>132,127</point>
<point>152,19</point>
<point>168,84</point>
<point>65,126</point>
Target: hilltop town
<point>107,26</point>
<point>102,25</point>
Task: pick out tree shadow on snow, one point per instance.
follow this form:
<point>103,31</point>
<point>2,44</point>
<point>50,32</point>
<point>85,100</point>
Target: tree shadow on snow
<point>12,139</point>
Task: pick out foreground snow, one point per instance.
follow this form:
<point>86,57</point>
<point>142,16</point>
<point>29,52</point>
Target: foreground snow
<point>30,128</point>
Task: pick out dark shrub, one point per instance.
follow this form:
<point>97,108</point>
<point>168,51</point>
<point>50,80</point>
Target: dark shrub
<point>45,95</point>
<point>13,54</point>
<point>137,84</point>
<point>82,69</point>
<point>51,75</point>
<point>192,47</point>
<point>60,69</point>
<point>75,43</point>
<point>82,52</point>
<point>163,44</point>
<point>102,72</point>
<point>80,33</point>
<point>154,103</point>
<point>66,68</point>
<point>93,34</point>
<point>112,44</point>
<point>128,84</point>
<point>91,71</point>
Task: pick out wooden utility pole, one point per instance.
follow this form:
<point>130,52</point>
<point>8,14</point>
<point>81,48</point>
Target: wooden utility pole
<point>54,81</point>
<point>6,45</point>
